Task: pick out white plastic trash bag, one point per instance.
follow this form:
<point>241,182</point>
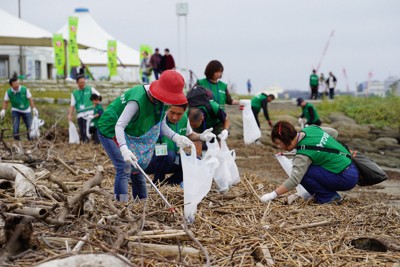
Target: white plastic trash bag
<point>230,157</point>
<point>73,134</point>
<point>197,180</point>
<point>34,132</point>
<point>287,166</point>
<point>251,131</point>
<point>222,174</point>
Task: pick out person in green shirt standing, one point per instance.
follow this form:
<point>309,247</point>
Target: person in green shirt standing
<point>259,102</point>
<point>321,173</point>
<point>21,106</point>
<point>314,81</point>
<point>177,120</point>
<point>309,112</point>
<point>80,101</point>
<point>219,89</point>
<point>130,126</point>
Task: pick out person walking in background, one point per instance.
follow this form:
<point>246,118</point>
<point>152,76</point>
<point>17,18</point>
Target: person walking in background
<point>80,101</point>
<point>21,106</point>
<point>321,173</point>
<point>261,101</point>
<point>248,86</point>
<point>155,62</point>
<point>97,112</point>
<point>167,61</point>
<point>314,85</point>
<point>130,126</point>
<point>309,112</point>
<point>331,83</point>
<point>145,67</point>
<point>322,86</point>
<point>219,89</point>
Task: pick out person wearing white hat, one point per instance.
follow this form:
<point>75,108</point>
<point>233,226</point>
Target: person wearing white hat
<point>130,126</point>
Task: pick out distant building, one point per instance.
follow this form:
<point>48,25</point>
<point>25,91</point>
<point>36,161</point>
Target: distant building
<point>394,87</point>
<point>376,88</point>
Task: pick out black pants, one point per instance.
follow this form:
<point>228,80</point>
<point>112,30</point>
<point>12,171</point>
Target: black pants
<point>255,112</point>
<point>82,130</point>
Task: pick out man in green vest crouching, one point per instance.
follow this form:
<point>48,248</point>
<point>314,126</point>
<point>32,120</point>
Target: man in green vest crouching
<point>21,106</point>
<point>80,101</point>
<point>309,112</point>
<point>166,157</point>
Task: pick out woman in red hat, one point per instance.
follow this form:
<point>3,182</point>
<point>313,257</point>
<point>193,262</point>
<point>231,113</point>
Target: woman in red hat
<point>130,126</point>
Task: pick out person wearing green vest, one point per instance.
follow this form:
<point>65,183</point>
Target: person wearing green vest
<point>177,120</point>
<point>80,101</point>
<point>321,173</point>
<point>219,89</point>
<point>21,106</point>
<point>309,112</point>
<point>130,126</point>
<point>314,81</point>
<point>97,112</point>
<point>259,102</point>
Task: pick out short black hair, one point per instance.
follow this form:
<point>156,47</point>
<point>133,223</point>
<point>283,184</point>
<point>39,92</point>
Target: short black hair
<point>95,97</point>
<point>13,79</point>
<point>79,76</point>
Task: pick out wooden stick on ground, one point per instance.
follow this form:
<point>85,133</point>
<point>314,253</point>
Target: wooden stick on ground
<point>65,165</point>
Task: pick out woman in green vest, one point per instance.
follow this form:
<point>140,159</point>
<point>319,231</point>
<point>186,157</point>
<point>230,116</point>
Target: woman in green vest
<point>130,126</point>
<point>219,89</point>
<point>321,173</point>
<point>21,106</point>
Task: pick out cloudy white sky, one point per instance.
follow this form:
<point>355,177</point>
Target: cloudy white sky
<point>271,42</point>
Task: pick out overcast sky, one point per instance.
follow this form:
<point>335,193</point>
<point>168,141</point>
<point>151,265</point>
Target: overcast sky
<point>270,42</point>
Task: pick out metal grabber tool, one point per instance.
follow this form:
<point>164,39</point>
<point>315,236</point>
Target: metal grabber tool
<point>171,209</point>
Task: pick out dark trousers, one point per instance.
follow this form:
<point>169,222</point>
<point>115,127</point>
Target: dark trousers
<point>82,130</point>
<point>16,116</point>
<point>255,112</point>
<point>161,165</point>
<point>314,92</point>
<point>331,93</point>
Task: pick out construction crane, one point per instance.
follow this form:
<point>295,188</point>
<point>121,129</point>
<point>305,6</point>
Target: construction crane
<point>325,49</point>
<point>347,80</point>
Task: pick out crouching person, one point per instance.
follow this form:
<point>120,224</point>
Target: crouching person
<point>166,159</point>
<point>321,173</point>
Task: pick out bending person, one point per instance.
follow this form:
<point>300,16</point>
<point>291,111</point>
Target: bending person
<point>321,173</point>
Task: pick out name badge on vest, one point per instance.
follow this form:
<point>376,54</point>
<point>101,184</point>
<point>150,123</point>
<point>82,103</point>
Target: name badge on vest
<point>161,149</point>
<point>81,106</point>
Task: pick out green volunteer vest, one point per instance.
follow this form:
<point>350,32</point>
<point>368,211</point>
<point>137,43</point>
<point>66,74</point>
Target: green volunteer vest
<point>256,101</point>
<point>307,114</point>
<point>98,108</point>
<point>147,116</point>
<point>180,128</point>
<point>218,90</point>
<point>315,136</point>
<point>82,99</point>
<point>19,100</point>
<point>211,119</point>
<point>314,80</point>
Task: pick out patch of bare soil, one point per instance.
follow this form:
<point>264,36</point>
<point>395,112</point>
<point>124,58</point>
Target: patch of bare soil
<point>231,229</point>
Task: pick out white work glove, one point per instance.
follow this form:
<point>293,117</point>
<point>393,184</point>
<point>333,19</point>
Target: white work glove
<point>268,197</point>
<point>128,155</point>
<point>89,117</point>
<point>35,112</point>
<point>224,134</point>
<point>207,135</point>
<point>182,141</point>
<point>300,121</point>
<point>2,113</point>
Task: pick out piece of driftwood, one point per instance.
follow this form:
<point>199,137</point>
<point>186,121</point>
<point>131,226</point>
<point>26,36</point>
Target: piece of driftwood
<point>263,255</point>
<point>22,176</point>
<point>58,159</point>
<point>308,225</point>
<point>166,234</point>
<point>164,250</point>
<point>93,260</point>
<point>35,212</point>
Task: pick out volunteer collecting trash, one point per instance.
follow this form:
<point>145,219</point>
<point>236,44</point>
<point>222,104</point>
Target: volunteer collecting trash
<point>80,101</point>
<point>309,113</point>
<point>131,125</point>
<point>320,173</point>
<point>21,106</point>
<point>259,102</point>
<point>160,165</point>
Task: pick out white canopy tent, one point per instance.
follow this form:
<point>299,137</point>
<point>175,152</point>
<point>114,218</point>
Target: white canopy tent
<point>92,35</point>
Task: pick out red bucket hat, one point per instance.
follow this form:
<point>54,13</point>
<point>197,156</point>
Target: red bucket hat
<point>169,88</point>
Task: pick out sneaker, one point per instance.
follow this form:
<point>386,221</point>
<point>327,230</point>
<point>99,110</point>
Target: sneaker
<point>336,199</point>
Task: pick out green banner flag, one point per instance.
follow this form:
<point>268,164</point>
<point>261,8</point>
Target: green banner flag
<point>112,57</point>
<point>73,58</point>
<point>59,53</point>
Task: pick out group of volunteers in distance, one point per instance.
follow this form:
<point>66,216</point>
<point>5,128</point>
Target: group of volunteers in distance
<point>147,124</point>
